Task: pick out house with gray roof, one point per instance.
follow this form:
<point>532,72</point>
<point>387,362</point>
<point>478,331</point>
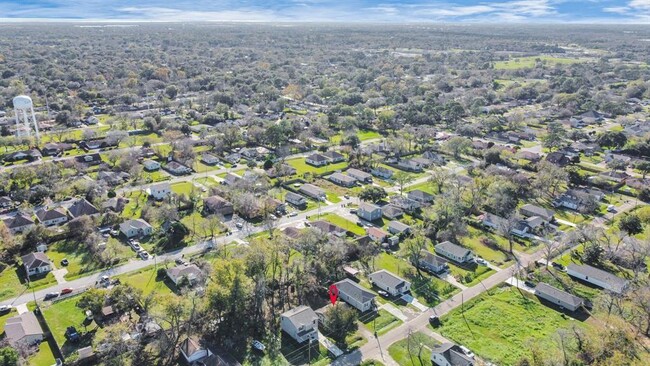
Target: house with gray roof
<point>135,228</point>
<point>449,354</point>
<point>454,252</point>
<point>431,262</point>
<point>396,227</point>
<point>82,207</point>
<point>23,329</point>
<point>598,277</point>
<point>36,263</point>
<point>355,295</point>
<point>342,180</point>
<point>18,223</point>
<point>389,282</point>
<point>369,211</point>
<point>50,217</point>
<point>334,156</point>
<point>301,323</point>
<point>312,191</point>
<point>558,297</point>
<point>391,212</point>
<point>295,200</point>
<point>359,175</point>
<point>329,228</point>
<point>529,210</point>
<point>189,271</point>
<point>381,172</point>
<point>420,196</point>
<point>317,160</point>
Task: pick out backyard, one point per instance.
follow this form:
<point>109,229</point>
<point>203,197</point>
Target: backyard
<point>413,351</point>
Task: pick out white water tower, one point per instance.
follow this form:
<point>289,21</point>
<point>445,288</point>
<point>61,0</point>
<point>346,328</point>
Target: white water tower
<point>24,109</point>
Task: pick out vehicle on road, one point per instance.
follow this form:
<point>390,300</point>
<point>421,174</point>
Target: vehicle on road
<point>239,225</point>
<point>434,321</point>
<point>383,293</point>
<point>258,345</point>
<point>611,208</point>
<point>346,196</point>
<point>353,211</point>
<point>178,261</point>
<point>66,291</point>
<point>51,295</point>
<point>293,214</point>
<point>65,262</point>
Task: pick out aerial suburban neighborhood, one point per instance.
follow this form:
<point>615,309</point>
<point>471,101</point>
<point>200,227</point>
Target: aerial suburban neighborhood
<point>258,194</point>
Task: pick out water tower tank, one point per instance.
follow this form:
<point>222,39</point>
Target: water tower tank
<point>22,102</point>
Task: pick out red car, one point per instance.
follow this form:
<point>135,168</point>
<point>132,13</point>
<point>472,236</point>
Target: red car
<point>66,291</point>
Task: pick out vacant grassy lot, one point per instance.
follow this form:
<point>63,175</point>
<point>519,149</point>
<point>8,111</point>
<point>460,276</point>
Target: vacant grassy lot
<point>529,62</point>
<point>406,355</point>
<point>381,321</point>
<point>302,167</point>
<point>147,281</point>
<point>63,314</point>
<point>11,285</point>
<point>298,354</point>
<point>81,261</point>
<point>502,325</point>
<point>185,188</point>
<point>492,255</point>
<point>362,135</point>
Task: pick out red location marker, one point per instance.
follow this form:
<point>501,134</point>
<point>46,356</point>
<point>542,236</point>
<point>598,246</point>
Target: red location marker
<point>334,294</point>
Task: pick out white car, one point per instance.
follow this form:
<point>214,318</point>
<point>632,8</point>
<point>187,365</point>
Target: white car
<point>466,351</point>
<point>239,225</point>
<point>143,254</point>
<point>481,261</point>
<point>611,208</point>
<point>5,308</point>
<point>258,345</point>
<point>293,214</point>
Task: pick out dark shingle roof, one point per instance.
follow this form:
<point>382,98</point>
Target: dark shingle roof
<point>355,291</point>
<point>82,207</point>
<point>387,278</point>
<point>452,248</point>
<point>35,260</point>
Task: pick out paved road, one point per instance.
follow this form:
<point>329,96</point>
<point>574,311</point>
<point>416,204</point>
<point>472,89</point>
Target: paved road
<point>137,264</point>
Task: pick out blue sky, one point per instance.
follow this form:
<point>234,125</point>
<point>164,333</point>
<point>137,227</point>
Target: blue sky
<point>488,11</point>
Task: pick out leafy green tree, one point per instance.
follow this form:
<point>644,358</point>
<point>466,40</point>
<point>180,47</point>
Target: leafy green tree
<point>402,179</point>
<point>92,300</point>
<point>373,194</point>
<point>612,139</point>
<point>593,253</point>
<point>631,224</point>
<point>457,146</point>
<point>555,136</point>
<point>8,356</point>
<point>340,320</point>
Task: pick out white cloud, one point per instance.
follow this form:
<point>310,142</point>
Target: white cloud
<point>617,10</point>
<point>641,4</point>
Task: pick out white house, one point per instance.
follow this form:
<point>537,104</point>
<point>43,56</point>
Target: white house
<point>312,191</point>
<point>343,180</point>
<point>317,160</point>
<point>369,212</point>
<point>160,191</point>
<point>133,228</point>
<point>390,283</point>
<point>454,252</point>
<point>18,223</point>
<point>23,328</point>
<point>431,262</point>
<point>192,350</point>
<point>359,175</point>
<point>151,165</point>
<point>355,295</point>
<point>558,297</point>
<point>295,200</point>
<point>597,277</point>
<point>189,271</point>
<point>55,216</point>
<point>36,263</point>
<point>382,172</point>
<point>301,323</point>
<point>449,354</point>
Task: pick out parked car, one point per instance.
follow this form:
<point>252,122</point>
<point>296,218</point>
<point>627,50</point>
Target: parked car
<point>383,293</point>
<point>143,255</point>
<point>611,208</point>
<point>5,309</point>
<point>292,214</point>
<point>179,261</point>
<point>529,284</point>
<point>467,352</point>
<point>239,225</point>
<point>481,261</point>
<point>64,262</point>
<point>258,345</point>
<point>51,295</point>
<point>434,321</point>
<point>66,291</point>
<point>558,266</point>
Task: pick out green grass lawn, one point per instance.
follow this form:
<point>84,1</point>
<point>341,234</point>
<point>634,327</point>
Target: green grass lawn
<point>185,188</point>
<point>470,277</point>
<point>155,176</point>
<point>424,187</point>
<point>529,62</point>
<point>147,281</point>
<point>11,285</point>
<point>65,313</point>
<point>298,354</point>
<point>362,135</point>
<point>380,321</point>
<point>413,351</point>
<point>302,167</point>
<point>3,319</point>
<point>44,356</point>
<point>340,221</point>
<point>494,256</point>
<point>137,200</point>
<point>502,325</point>
<point>81,261</point>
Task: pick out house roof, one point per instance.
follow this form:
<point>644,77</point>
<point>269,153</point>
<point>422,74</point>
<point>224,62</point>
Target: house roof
<point>376,232</point>
<point>333,154</point>
<point>53,214</point>
<point>82,207</point>
<point>358,173</point>
<point>190,346</point>
<point>164,186</point>
<point>532,210</point>
<point>399,226</point>
<point>391,211</point>
<point>616,283</point>
<point>301,315</point>
<point>452,354</point>
<point>355,291</point>
<point>317,157</point>
<point>134,224</point>
<point>312,189</point>
<point>17,221</point>
<point>558,294</point>
<point>452,248</point>
<point>190,270</point>
<point>35,260</point>
<point>216,202</point>
<point>294,197</point>
<point>430,258</point>
<point>291,232</point>
<point>328,227</point>
<point>420,194</point>
<point>342,177</point>
<point>387,278</point>
<point>22,325</point>
<point>369,207</point>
